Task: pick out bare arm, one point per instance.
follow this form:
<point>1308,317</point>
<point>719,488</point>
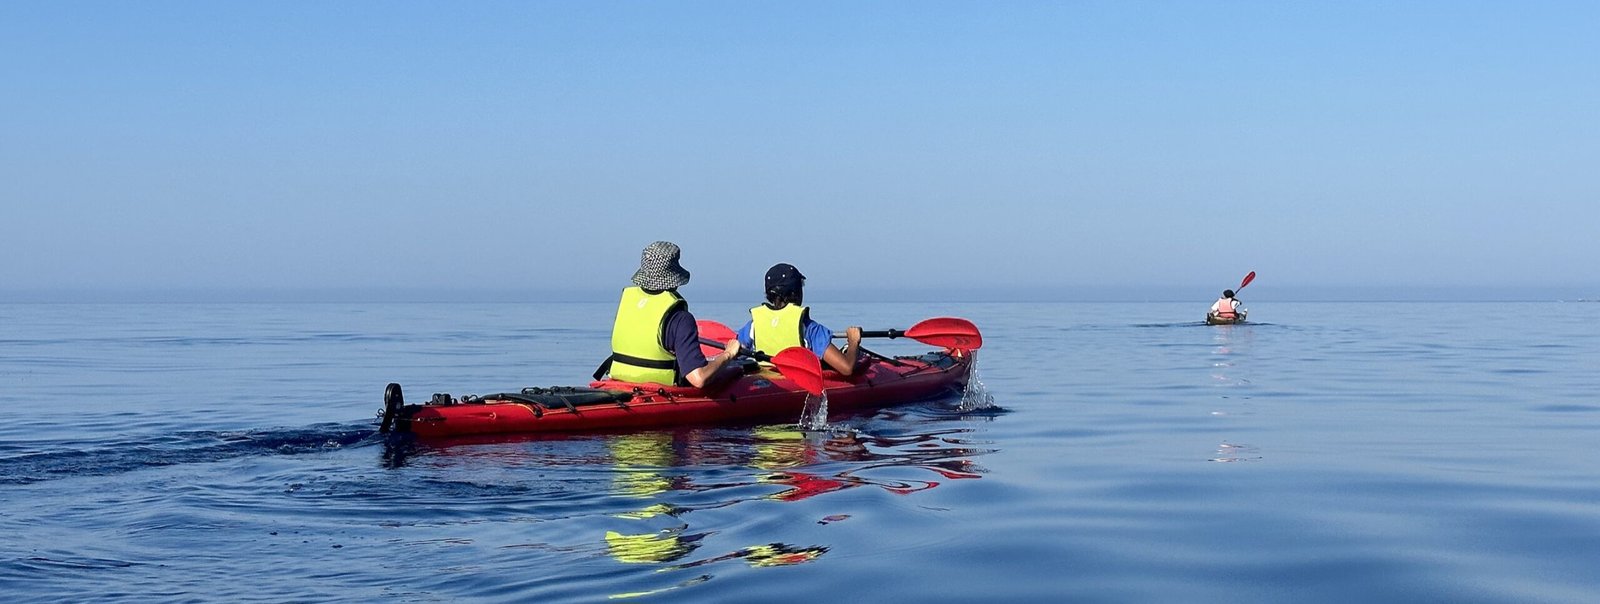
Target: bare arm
<point>844,361</point>
<point>699,377</point>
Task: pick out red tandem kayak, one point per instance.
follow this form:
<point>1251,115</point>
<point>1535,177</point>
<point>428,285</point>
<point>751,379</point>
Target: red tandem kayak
<point>609,405</point>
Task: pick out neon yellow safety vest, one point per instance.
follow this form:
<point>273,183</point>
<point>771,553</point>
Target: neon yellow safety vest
<point>637,351</point>
<point>772,330</point>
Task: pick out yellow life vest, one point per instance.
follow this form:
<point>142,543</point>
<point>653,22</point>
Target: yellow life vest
<point>638,353</point>
<point>772,330</point>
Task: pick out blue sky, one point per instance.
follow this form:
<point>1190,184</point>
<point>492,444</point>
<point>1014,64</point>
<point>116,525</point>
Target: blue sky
<point>894,149</point>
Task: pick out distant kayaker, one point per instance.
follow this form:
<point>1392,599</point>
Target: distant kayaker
<point>782,322</point>
<point>1226,307</point>
<point>654,338</point>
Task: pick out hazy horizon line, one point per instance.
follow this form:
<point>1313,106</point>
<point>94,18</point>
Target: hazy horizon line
<point>1367,293</point>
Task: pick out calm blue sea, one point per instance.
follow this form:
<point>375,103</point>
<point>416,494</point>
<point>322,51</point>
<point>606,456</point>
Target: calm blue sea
<point>1415,452</point>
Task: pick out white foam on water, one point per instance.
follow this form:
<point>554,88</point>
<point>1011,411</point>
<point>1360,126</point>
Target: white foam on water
<point>976,396</point>
<point>814,415</point>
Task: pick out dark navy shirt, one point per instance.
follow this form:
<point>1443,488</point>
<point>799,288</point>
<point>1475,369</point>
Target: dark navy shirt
<point>682,338</point>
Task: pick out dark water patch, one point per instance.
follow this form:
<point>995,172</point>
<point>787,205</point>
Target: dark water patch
<point>64,561</point>
<point>104,457</point>
<point>1183,345</point>
<point>940,410</point>
<point>1567,408</point>
<point>1553,346</point>
<point>1518,371</point>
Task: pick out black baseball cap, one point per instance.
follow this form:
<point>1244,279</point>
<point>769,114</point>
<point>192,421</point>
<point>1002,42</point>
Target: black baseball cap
<point>784,278</point>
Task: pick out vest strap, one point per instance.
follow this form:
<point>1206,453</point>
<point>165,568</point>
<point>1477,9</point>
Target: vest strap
<point>646,363</point>
<point>605,366</point>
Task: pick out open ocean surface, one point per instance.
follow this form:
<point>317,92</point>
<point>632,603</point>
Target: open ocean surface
<point>1423,452</point>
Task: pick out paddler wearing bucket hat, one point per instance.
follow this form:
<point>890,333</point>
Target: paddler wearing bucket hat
<point>654,338</point>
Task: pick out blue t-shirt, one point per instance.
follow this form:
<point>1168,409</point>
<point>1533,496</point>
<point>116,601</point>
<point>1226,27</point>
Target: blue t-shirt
<point>817,337</point>
<point>681,335</point>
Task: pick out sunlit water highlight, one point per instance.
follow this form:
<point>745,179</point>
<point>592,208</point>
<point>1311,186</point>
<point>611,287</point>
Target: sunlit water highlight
<point>1425,452</point>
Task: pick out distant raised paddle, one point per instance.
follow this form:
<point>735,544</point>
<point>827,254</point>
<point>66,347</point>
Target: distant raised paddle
<point>1247,279</point>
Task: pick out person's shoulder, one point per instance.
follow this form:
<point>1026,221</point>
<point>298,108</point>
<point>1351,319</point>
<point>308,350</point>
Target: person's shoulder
<point>682,319</point>
<point>814,328</point>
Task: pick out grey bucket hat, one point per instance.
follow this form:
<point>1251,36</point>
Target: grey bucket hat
<point>659,268</point>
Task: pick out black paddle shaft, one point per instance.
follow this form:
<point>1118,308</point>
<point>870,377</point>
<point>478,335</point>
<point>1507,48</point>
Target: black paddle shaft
<point>755,354</point>
<point>887,333</point>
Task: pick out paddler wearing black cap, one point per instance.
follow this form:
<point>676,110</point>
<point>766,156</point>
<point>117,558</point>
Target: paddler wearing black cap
<point>783,322</point>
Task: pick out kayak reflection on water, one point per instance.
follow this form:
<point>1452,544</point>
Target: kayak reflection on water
<point>645,548</point>
<point>644,468</point>
<point>771,554</point>
<point>654,481</point>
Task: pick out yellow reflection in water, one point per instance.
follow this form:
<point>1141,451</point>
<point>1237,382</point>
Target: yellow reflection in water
<point>647,548</point>
<point>780,447</point>
<point>648,512</point>
<point>638,459</point>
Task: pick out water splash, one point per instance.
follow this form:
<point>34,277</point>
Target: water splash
<point>814,414</point>
<point>976,395</point>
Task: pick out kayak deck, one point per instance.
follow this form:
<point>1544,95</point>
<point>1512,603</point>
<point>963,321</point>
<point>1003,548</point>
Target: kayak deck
<point>610,405</point>
<point>1213,319</point>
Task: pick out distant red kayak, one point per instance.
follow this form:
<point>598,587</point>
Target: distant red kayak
<point>611,405</point>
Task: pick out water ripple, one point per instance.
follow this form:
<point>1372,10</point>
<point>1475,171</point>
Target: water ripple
<point>100,458</point>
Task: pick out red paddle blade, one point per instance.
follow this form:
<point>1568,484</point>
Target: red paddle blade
<point>801,366</point>
<point>947,332</point>
<point>1247,279</point>
<point>716,332</point>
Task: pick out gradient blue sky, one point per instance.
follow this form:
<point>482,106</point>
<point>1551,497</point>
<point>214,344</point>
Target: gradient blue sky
<point>1002,149</point>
